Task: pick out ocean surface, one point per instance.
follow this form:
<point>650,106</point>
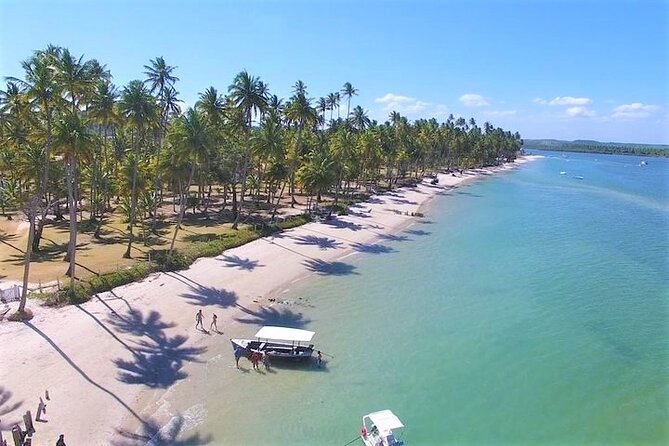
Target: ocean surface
<point>528,307</point>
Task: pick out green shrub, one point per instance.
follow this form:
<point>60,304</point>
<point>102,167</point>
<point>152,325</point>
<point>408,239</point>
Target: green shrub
<point>109,281</point>
<point>294,221</point>
<point>50,298</point>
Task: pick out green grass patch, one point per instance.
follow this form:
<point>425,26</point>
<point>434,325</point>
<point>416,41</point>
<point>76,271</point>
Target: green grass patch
<point>204,245</point>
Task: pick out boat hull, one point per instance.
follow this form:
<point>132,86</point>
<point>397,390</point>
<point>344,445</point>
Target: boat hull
<point>275,350</point>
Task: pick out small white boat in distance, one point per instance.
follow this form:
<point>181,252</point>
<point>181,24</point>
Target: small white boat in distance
<point>377,429</point>
<point>563,173</point>
<point>278,342</point>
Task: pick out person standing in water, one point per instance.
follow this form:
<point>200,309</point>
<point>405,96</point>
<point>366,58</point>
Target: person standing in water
<point>319,360</point>
<point>238,354</point>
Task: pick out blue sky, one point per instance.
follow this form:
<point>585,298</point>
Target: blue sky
<point>549,69</point>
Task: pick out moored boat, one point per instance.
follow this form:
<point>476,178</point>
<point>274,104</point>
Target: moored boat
<point>378,429</point>
<point>278,343</point>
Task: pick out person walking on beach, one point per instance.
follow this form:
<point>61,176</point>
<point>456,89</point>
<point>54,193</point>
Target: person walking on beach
<point>265,361</point>
<point>238,354</point>
<point>61,440</point>
<point>319,360</point>
<point>198,320</point>
<point>213,325</point>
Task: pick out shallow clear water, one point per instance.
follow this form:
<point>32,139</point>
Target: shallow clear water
<point>530,308</point>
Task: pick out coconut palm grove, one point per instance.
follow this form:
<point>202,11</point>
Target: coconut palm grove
<point>76,149</point>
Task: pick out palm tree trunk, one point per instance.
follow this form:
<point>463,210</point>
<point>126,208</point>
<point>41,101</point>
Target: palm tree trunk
<point>45,180</point>
<point>276,206</point>
<point>133,202</point>
<point>156,184</point>
<point>241,198</point>
<point>182,207</point>
<point>26,261</point>
<point>72,246</point>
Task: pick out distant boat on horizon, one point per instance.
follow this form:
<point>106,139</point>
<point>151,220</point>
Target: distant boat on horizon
<point>578,177</point>
<point>563,173</point>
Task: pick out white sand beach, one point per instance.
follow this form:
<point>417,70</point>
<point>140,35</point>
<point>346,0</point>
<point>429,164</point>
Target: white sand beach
<point>107,362</point>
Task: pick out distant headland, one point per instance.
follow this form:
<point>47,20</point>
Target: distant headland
<point>591,146</point>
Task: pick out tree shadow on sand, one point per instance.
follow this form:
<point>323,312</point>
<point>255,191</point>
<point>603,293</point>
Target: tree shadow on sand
<point>329,268</point>
<point>273,316</point>
<point>238,262</point>
<point>373,248</point>
<point>341,224</point>
<point>134,323</point>
<point>394,238</point>
<point>154,435</point>
<point>207,295</point>
<point>157,359</point>
<point>321,242</point>
<point>6,406</point>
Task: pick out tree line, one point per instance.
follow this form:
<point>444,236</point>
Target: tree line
<point>72,142</point>
<point>606,148</point>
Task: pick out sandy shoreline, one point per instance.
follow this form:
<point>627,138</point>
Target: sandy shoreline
<point>99,360</point>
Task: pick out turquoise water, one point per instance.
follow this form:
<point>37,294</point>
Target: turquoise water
<point>530,308</point>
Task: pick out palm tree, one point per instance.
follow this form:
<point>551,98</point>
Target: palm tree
<point>248,94</point>
<point>159,75</point>
<point>44,92</point>
<point>75,76</point>
<point>348,92</point>
<point>317,175</point>
<point>161,79</point>
<point>102,111</point>
<point>359,120</point>
<point>299,88</point>
<point>192,140</point>
<point>72,140</point>
<point>140,109</point>
<point>333,102</point>
<point>323,106</point>
<point>300,112</point>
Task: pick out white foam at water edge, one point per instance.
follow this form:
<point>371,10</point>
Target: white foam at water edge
<point>192,417</point>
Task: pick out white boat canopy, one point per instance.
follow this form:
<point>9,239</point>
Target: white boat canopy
<point>285,334</point>
<point>385,420</point>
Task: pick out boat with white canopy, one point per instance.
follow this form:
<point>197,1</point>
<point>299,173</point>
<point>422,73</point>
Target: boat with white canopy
<point>279,343</point>
<point>378,429</point>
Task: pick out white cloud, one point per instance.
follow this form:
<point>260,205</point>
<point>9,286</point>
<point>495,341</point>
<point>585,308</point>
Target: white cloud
<point>473,100</point>
<point>411,107</point>
<point>570,100</point>
<point>541,101</point>
<point>441,111</point>
<point>579,111</point>
<point>634,110</point>
<point>401,104</point>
